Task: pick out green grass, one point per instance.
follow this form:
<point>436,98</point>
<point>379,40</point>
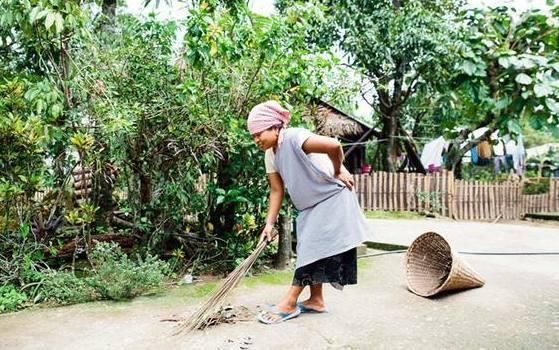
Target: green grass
<point>271,277</point>
<point>363,263</point>
<point>274,277</point>
<point>204,289</point>
<point>543,216</point>
<point>199,290</point>
<point>382,214</point>
<point>385,246</point>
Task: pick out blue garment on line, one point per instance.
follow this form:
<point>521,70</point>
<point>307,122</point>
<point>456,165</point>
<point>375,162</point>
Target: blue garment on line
<point>475,156</point>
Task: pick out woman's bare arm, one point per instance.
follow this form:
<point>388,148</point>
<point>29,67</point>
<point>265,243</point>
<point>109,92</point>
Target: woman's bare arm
<point>330,146</point>
<point>274,204</point>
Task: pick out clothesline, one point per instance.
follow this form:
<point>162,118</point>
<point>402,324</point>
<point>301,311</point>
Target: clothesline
<point>382,140</point>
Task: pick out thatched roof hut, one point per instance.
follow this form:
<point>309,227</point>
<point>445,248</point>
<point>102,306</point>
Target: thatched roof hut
<point>330,121</point>
<point>354,134</point>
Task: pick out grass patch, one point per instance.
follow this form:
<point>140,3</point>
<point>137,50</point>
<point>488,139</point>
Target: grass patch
<point>274,277</point>
<point>382,214</point>
<point>204,289</point>
<point>543,216</point>
<point>200,290</point>
<point>363,264</point>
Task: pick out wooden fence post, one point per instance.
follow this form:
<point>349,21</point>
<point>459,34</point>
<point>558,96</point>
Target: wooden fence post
<point>451,195</point>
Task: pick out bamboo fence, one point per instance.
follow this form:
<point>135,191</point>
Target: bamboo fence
<point>440,193</point>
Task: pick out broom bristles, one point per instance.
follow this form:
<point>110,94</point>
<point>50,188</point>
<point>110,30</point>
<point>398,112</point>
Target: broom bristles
<point>199,319</point>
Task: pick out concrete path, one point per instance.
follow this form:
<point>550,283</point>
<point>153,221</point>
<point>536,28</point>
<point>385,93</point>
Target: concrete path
<point>518,308</point>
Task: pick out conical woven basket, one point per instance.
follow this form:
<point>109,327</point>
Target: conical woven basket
<point>432,267</point>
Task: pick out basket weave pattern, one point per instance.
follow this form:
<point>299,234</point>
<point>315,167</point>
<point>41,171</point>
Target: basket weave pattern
<point>432,267</point>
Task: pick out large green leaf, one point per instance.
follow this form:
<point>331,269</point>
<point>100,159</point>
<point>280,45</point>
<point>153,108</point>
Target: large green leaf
<point>49,21</point>
<point>553,105</point>
<point>514,127</point>
<point>469,67</point>
<point>541,90</point>
<point>523,79</point>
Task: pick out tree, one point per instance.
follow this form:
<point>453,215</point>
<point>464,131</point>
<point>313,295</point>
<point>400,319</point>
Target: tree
<point>508,76</point>
<point>399,46</point>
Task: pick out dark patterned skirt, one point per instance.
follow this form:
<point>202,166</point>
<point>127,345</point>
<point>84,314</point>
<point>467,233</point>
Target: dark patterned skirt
<point>338,270</point>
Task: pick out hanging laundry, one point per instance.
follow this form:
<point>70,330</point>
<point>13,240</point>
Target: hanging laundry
<point>432,153</point>
<point>500,162</point>
<point>484,150</point>
<point>517,150</point>
<point>474,155</point>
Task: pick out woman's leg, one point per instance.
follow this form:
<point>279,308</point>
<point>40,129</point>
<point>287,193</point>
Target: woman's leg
<point>287,304</point>
<point>316,300</point>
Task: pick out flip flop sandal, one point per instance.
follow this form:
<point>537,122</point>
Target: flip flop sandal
<point>281,316</point>
<point>309,310</point>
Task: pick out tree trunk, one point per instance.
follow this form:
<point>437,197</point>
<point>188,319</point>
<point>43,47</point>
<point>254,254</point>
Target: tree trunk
<point>283,257</point>
<point>390,143</point>
<point>145,189</point>
<point>455,152</point>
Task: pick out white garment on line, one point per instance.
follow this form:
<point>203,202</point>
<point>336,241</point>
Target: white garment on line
<point>432,153</point>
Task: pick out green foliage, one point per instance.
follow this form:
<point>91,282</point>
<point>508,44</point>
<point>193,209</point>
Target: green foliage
<point>18,257</point>
<point>401,49</point>
<point>536,186</point>
<point>10,298</point>
<point>533,138</point>
<point>63,288</point>
<point>117,277</point>
<point>478,173</point>
<point>431,199</point>
<point>169,114</point>
<point>24,134</point>
<point>509,72</point>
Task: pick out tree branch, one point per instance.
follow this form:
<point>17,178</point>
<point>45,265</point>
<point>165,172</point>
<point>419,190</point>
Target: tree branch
<point>471,143</point>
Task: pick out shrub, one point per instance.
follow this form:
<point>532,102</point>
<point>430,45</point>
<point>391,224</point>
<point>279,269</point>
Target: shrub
<point>10,298</point>
<point>115,276</point>
<point>536,186</point>
<point>118,277</point>
<point>65,288</point>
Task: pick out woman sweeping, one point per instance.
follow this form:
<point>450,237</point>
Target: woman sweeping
<point>330,224</point>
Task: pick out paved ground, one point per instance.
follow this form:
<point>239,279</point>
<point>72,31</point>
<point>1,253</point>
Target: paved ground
<point>518,308</point>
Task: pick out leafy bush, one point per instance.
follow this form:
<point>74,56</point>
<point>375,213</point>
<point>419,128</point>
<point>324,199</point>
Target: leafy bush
<point>118,277</point>
<point>10,298</point>
<point>115,276</point>
<point>536,186</point>
<point>65,288</point>
<point>472,172</point>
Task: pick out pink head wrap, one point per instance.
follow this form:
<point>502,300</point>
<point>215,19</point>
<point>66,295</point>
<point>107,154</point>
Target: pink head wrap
<point>266,115</point>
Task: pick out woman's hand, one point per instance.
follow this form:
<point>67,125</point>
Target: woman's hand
<point>267,233</point>
<point>345,177</point>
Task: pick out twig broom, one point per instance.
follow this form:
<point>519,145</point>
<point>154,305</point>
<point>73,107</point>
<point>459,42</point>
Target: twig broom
<point>199,319</point>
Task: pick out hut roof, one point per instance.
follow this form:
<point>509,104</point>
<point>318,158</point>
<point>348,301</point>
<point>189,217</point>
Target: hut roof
<point>331,121</point>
